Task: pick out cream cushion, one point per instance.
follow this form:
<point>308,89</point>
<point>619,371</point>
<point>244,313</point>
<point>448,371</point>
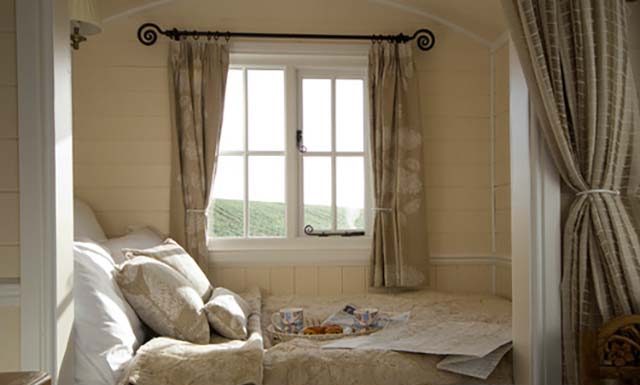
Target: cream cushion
<point>163,299</point>
<point>141,238</point>
<point>228,313</point>
<point>171,253</point>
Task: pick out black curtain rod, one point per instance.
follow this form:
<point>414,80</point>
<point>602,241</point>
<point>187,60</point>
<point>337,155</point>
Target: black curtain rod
<point>148,35</point>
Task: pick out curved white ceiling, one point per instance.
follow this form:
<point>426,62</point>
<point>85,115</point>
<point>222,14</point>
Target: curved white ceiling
<point>482,18</point>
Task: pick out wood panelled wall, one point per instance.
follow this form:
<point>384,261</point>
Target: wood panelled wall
<point>9,189</point>
<point>502,170</point>
<point>122,136</point>
<point>300,280</point>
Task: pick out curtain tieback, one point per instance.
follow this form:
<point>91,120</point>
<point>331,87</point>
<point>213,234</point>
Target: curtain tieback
<point>598,191</point>
<point>197,211</point>
<point>382,209</point>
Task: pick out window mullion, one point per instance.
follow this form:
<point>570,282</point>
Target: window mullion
<point>245,93</point>
<point>334,209</point>
<point>292,176</point>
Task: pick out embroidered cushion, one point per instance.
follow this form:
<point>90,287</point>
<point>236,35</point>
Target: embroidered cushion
<point>171,253</point>
<point>163,299</point>
<point>228,313</point>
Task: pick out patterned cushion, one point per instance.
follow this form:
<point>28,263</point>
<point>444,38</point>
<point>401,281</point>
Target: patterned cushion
<point>163,299</point>
<point>171,253</point>
<point>228,313</point>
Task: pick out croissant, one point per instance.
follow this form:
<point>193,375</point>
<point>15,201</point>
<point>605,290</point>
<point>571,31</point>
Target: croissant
<point>313,330</point>
<point>333,329</point>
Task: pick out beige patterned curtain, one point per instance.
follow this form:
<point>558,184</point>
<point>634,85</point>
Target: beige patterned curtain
<point>399,253</point>
<point>575,57</point>
<point>198,72</point>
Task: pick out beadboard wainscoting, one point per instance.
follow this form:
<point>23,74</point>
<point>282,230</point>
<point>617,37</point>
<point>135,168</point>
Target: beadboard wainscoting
<point>477,274</point>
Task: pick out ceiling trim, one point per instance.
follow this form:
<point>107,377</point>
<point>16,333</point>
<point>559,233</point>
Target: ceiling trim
<point>436,18</point>
<point>134,10</point>
<point>502,40</point>
<point>388,3</point>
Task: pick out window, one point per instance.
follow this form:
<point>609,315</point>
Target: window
<point>333,165</point>
<point>264,186</point>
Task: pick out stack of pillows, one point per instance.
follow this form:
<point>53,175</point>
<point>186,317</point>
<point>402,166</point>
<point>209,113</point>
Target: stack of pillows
<point>138,285</point>
<point>172,295</point>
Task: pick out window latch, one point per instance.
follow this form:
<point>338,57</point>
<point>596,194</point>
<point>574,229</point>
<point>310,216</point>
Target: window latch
<point>308,229</point>
<point>299,143</point>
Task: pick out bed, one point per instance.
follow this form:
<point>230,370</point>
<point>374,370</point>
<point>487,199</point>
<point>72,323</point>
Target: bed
<point>163,361</point>
<point>300,361</point>
<point>112,345</point>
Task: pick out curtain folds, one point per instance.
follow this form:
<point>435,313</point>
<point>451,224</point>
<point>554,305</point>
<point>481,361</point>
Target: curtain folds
<point>198,77</point>
<point>399,252</point>
<point>575,57</point>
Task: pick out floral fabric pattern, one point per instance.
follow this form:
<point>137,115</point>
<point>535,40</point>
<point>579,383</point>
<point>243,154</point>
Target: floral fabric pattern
<point>399,254</point>
<point>166,361</point>
<point>176,257</point>
<point>228,313</point>
<point>163,299</point>
<point>198,82</point>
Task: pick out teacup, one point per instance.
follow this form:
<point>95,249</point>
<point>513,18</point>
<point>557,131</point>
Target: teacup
<point>366,316</point>
<point>289,320</point>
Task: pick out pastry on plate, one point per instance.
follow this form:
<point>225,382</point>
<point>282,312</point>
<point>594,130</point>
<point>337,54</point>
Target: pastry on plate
<point>332,329</point>
<point>313,330</point>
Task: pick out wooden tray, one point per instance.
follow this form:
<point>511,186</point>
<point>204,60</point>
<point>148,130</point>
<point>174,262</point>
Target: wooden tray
<point>277,336</point>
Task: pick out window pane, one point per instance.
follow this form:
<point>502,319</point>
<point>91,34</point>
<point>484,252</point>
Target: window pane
<point>349,115</point>
<point>266,196</point>
<point>350,192</point>
<point>227,211</point>
<point>233,125</point>
<point>317,192</point>
<point>316,114</point>
<point>266,110</point>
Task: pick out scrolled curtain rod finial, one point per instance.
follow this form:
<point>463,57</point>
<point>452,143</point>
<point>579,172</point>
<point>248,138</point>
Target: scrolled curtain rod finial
<point>148,35</point>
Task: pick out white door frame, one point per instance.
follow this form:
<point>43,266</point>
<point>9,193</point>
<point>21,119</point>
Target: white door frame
<point>536,243</point>
<point>46,188</point>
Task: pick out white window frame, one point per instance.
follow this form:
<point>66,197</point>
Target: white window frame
<point>333,153</point>
<point>336,61</point>
<point>245,153</point>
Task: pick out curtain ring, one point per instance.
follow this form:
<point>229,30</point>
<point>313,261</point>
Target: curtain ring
<point>196,37</point>
<point>227,36</point>
<point>216,35</point>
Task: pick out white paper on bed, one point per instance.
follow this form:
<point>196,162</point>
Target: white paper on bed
<point>460,338</point>
<point>473,366</point>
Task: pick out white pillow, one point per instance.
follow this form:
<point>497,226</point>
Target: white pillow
<point>107,330</point>
<point>143,238</point>
<point>85,223</point>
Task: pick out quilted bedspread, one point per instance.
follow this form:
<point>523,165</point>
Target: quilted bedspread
<point>164,361</point>
<point>304,362</point>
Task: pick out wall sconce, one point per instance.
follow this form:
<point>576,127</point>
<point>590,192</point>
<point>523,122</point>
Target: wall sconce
<point>85,20</point>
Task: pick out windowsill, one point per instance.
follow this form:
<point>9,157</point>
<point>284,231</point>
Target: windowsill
<point>296,251</point>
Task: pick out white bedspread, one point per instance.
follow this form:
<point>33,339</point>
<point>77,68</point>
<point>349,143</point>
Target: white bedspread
<point>304,362</point>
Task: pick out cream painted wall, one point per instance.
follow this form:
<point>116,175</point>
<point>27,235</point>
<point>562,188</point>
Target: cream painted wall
<point>122,133</point>
<point>9,201</point>
<point>502,169</point>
